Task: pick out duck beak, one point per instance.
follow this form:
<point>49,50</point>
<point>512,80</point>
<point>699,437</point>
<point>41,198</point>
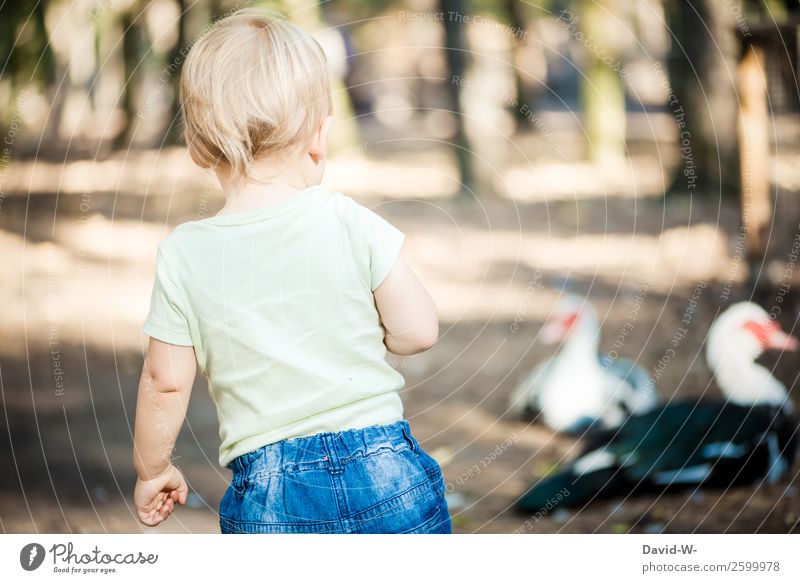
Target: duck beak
<point>779,340</point>
<point>552,332</point>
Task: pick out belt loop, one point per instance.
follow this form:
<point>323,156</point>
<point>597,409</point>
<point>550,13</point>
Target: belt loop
<point>238,477</point>
<point>334,465</point>
<point>406,429</point>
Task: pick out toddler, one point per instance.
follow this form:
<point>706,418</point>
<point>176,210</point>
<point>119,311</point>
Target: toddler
<point>287,299</point>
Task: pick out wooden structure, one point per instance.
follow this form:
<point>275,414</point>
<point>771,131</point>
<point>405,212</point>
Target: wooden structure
<point>769,132</point>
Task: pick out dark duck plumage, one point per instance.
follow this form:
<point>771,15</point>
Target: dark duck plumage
<point>750,436</point>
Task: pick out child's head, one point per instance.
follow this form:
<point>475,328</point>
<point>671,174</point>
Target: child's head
<point>253,86</point>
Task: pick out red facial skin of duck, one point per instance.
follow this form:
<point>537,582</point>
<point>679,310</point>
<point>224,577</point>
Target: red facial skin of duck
<point>558,328</point>
<point>770,336</point>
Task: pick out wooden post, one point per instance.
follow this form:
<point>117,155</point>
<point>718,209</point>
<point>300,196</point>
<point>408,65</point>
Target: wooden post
<point>754,152</point>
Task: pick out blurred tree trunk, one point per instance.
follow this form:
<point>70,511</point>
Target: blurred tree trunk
<point>601,90</point>
<point>702,69</point>
<point>132,54</point>
<point>455,52</point>
<point>46,70</point>
<point>174,131</point>
<point>33,60</point>
<point>195,17</point>
<point>516,20</point>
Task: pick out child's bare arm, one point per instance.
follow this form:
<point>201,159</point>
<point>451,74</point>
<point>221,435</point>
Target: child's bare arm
<point>164,391</point>
<point>407,311</point>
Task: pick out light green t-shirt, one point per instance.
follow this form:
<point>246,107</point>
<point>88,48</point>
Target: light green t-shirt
<point>278,305</point>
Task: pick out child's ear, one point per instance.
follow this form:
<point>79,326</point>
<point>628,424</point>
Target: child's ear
<point>318,146</point>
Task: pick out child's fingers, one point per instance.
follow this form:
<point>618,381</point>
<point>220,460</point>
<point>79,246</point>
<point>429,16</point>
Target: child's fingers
<point>162,506</point>
<point>164,513</point>
<point>183,492</point>
<point>149,518</point>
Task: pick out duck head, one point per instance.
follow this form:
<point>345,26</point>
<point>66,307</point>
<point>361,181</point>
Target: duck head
<point>572,316</point>
<point>736,339</point>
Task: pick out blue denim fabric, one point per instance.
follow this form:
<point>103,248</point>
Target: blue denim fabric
<point>372,480</point>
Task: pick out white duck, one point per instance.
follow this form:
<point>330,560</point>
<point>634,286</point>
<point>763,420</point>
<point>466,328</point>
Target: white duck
<point>577,388</point>
<point>746,437</point>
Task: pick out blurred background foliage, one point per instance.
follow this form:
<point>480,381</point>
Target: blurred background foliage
<point>105,72</point>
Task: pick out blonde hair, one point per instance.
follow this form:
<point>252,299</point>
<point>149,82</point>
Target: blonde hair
<point>252,85</point>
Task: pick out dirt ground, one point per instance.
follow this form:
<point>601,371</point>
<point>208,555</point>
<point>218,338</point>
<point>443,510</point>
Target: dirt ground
<point>77,289</point>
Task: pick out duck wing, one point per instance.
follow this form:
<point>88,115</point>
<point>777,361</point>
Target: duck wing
<point>694,442</point>
<point>629,386</point>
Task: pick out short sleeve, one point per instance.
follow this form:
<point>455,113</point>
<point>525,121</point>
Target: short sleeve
<point>382,241</point>
<point>166,320</point>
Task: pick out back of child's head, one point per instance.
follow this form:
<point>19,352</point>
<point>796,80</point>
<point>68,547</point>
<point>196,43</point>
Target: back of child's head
<point>253,85</point>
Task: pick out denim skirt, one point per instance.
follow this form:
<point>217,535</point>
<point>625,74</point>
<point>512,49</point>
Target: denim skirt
<point>372,480</point>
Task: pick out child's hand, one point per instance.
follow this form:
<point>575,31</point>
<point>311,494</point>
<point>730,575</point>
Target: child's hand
<point>155,498</point>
